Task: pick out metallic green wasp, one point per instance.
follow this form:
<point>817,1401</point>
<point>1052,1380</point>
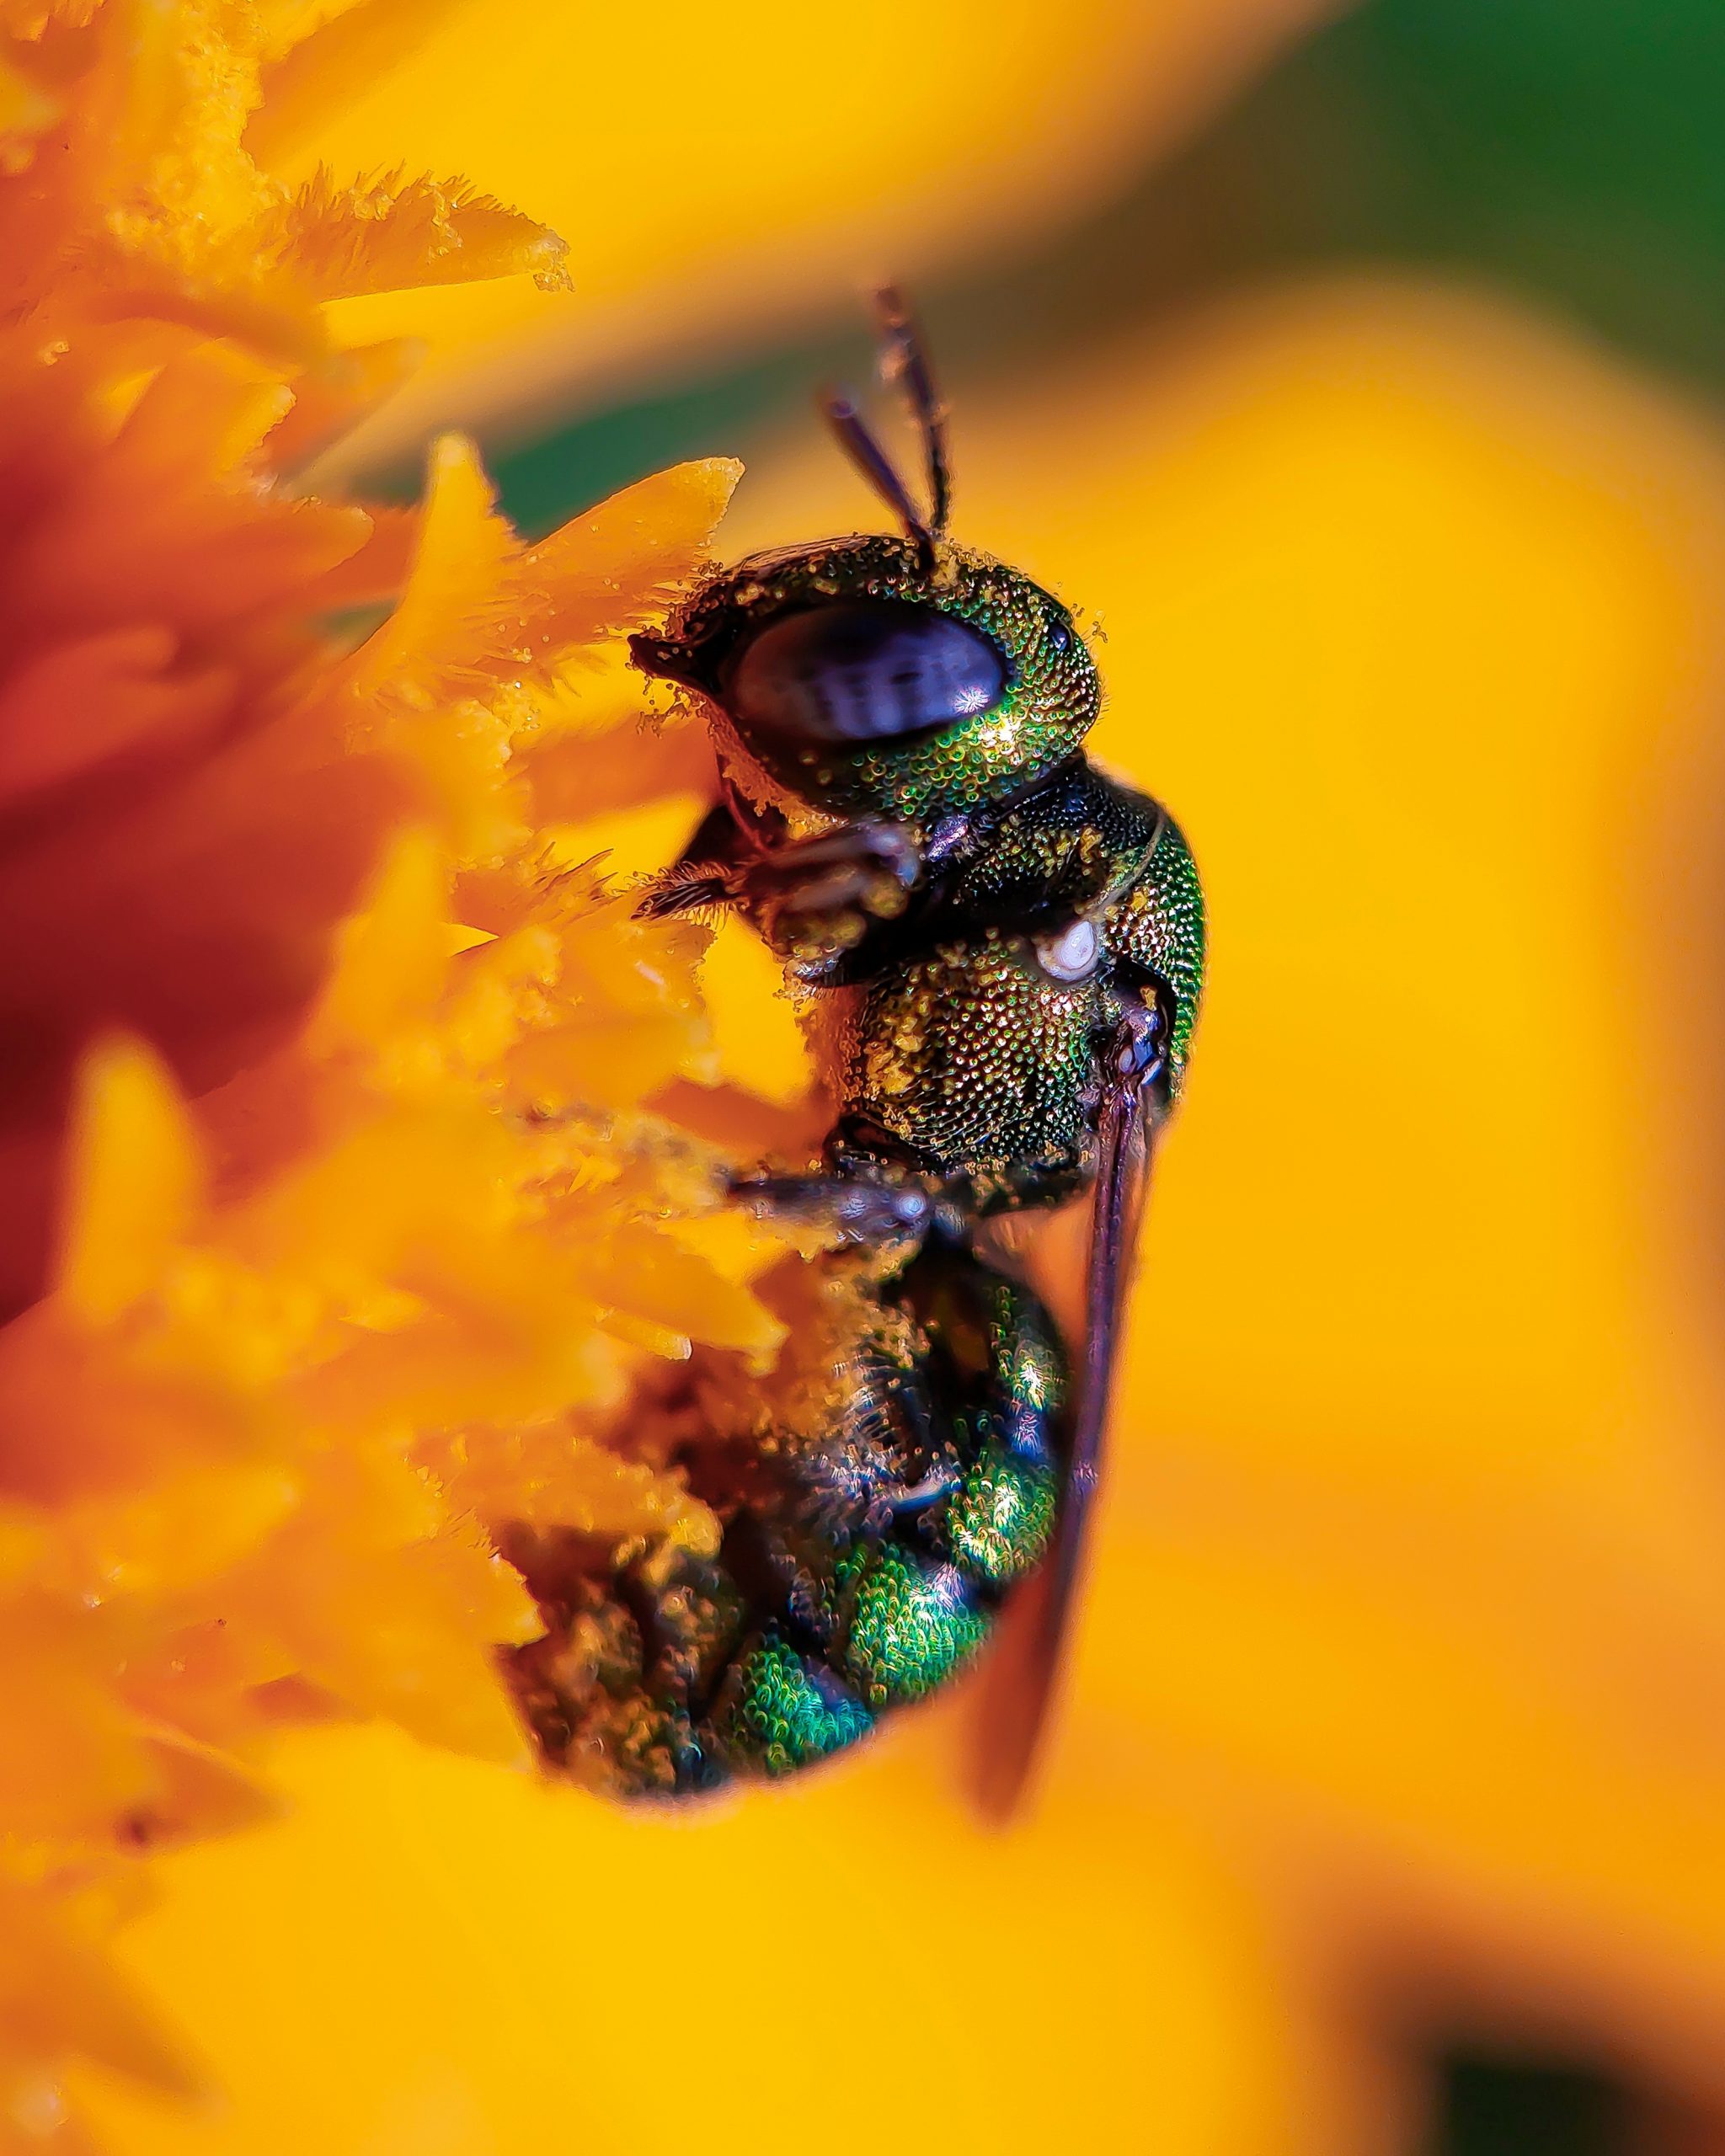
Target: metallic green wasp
<point>999,951</point>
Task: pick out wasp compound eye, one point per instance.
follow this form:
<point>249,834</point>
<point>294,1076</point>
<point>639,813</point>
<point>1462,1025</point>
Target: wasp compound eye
<point>864,670</point>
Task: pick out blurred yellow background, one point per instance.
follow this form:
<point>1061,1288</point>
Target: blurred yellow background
<point>1397,1727</point>
<point>722,174</point>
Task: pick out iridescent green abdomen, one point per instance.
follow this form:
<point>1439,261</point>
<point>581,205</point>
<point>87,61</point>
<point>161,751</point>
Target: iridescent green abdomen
<point>877,1501</point>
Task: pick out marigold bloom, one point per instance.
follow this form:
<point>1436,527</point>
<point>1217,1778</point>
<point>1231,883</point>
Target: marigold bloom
<point>1396,1695</point>
<point>1395,1706</point>
<point>359,1161</point>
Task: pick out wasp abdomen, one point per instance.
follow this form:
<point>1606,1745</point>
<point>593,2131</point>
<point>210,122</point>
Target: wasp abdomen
<point>864,1559</point>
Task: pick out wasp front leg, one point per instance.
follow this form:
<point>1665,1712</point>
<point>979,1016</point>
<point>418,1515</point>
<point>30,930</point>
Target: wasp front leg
<point>814,901</point>
<point>704,875</point>
<point>868,1211</point>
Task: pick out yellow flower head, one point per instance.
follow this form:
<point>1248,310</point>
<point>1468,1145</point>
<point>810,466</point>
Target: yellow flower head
<point>335,1206</point>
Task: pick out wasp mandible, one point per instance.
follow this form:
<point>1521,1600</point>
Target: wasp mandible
<point>1000,954</point>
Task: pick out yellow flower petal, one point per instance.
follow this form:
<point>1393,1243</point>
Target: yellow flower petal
<point>394,234</point>
<point>308,84</point>
<point>139,1180</point>
<point>453,595</point>
<point>346,1059</point>
<point>392,956</point>
<point>58,1995</point>
<point>27,111</point>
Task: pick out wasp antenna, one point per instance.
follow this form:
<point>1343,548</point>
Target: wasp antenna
<point>904,359</point>
<point>877,467</point>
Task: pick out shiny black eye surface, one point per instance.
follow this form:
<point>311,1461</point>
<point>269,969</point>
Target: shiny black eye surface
<point>864,670</point>
<point>1059,634</point>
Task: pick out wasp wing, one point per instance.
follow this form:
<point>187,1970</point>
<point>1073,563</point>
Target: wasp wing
<point>1024,1670</point>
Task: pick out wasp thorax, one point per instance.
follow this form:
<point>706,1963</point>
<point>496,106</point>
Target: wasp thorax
<point>866,669</point>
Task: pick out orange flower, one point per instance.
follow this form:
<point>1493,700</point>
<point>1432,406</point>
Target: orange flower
<point>359,1162</point>
<point>1394,1707</point>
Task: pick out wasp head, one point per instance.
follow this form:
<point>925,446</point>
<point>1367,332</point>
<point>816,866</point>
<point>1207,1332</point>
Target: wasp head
<point>909,678</point>
<point>873,676</point>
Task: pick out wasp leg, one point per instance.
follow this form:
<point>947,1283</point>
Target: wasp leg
<point>814,900</point>
<point>703,874</point>
<point>866,1211</point>
<point>817,900</point>
<point>875,1198</point>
